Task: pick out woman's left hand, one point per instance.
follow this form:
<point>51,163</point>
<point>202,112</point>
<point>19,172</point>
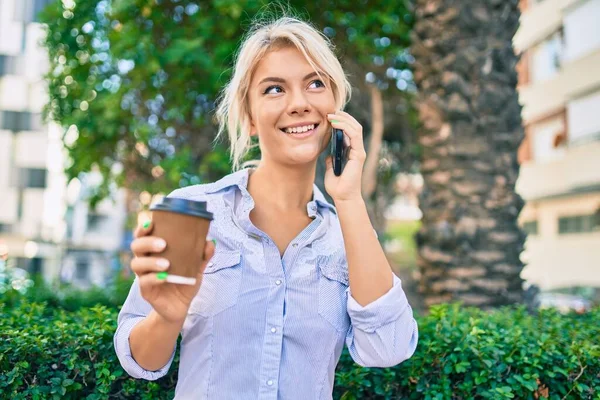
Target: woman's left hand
<point>348,185</point>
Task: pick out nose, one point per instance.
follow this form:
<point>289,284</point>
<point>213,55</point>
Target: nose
<point>298,104</point>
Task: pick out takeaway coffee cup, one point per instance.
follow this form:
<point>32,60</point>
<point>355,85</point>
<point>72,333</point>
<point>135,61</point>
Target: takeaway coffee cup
<point>183,224</point>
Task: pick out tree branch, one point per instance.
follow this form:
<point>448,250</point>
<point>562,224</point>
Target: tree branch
<point>370,171</point>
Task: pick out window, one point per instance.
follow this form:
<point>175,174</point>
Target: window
<point>582,30</point>
<point>531,227</point>
<point>32,178</point>
<point>20,121</point>
<point>95,222</point>
<point>21,263</point>
<point>547,57</point>
<point>11,65</point>
<point>5,228</point>
<point>32,265</point>
<point>577,224</point>
<point>35,266</point>
<point>81,270</point>
<point>584,119</point>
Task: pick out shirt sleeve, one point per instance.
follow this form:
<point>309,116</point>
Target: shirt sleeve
<point>134,311</point>
<point>382,333</point>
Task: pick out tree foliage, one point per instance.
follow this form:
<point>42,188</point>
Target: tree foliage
<point>134,82</point>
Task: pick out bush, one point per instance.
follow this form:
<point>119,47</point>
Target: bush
<point>51,353</point>
<point>462,354</point>
<point>469,353</point>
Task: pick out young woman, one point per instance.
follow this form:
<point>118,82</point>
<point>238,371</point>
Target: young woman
<point>291,278</point>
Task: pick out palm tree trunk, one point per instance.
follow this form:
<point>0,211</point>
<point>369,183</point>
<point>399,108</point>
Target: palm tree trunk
<point>469,243</point>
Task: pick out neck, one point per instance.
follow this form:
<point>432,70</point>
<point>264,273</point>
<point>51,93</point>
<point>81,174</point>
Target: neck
<point>281,187</point>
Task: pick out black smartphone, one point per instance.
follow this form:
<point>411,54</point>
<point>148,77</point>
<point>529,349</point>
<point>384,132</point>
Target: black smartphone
<point>338,150</point>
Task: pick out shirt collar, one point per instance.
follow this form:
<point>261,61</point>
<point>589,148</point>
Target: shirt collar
<point>240,179</point>
<point>320,199</point>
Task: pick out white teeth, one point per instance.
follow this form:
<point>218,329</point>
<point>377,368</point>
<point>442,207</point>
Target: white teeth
<point>300,129</point>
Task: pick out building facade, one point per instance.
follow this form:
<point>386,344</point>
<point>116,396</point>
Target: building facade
<point>31,178</point>
<point>43,228</point>
<point>95,238</point>
<point>559,88</point>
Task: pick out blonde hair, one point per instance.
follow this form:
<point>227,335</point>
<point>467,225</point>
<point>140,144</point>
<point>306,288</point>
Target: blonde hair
<point>233,112</point>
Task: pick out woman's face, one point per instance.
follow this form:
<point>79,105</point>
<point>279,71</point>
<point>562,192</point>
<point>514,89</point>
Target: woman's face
<point>289,104</point>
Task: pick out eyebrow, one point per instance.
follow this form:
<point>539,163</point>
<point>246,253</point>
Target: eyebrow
<point>281,80</point>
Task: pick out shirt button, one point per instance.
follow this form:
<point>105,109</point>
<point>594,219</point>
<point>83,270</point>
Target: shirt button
<point>294,244</point>
<point>273,330</point>
<point>278,282</point>
<point>270,382</point>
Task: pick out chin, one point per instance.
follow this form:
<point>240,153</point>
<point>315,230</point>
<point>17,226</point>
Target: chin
<point>302,159</point>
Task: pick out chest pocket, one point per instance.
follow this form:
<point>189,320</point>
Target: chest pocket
<point>333,282</point>
<point>220,286</point>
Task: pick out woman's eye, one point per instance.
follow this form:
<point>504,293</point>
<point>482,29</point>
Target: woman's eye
<point>317,83</point>
<point>273,89</point>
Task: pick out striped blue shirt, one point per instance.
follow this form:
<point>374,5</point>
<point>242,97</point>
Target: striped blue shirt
<point>268,327</point>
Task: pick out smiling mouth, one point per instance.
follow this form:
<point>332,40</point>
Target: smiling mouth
<point>299,130</point>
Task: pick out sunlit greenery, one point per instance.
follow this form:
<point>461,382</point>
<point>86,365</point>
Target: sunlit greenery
<point>134,82</point>
<point>401,245</point>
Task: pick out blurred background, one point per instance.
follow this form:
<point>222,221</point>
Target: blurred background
<point>105,107</point>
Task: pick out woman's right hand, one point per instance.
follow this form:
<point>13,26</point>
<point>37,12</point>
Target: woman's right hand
<point>170,301</point>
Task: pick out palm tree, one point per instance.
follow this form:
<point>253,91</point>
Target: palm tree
<point>469,243</point>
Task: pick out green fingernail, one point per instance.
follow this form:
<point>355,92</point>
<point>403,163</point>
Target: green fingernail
<point>146,224</point>
<point>334,121</point>
<point>214,241</point>
<point>162,275</point>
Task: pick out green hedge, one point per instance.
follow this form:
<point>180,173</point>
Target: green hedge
<point>65,295</point>
<point>48,352</point>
